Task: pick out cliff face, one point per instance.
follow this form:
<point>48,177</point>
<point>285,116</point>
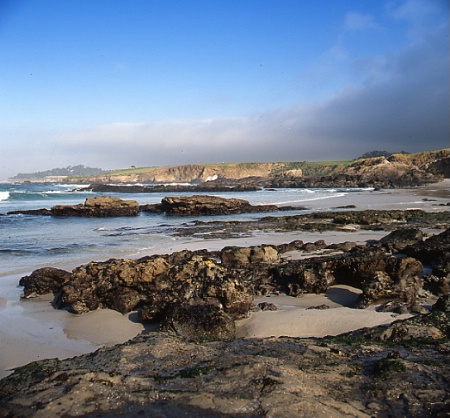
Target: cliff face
<point>198,173</point>
<point>422,166</point>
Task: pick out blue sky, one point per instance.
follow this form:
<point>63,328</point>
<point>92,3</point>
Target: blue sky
<point>111,83</point>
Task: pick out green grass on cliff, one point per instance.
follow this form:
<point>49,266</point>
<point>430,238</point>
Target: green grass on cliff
<point>308,168</point>
<point>317,168</point>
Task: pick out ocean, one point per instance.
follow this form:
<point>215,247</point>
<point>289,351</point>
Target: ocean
<point>30,241</point>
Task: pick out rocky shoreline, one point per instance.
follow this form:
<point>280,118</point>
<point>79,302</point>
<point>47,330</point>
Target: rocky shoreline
<point>199,205</point>
<point>196,367</point>
<point>360,374</point>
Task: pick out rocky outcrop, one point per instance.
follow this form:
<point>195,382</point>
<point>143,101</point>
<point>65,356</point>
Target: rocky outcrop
<point>154,285</point>
<point>200,322</point>
<point>231,278</point>
<point>44,280</point>
<point>399,239</point>
<point>433,251</point>
<point>165,375</point>
<point>245,256</point>
<point>98,207</point>
<point>205,205</point>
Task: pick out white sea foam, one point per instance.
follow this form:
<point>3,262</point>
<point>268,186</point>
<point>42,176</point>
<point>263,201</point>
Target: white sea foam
<point>310,199</point>
<point>4,196</point>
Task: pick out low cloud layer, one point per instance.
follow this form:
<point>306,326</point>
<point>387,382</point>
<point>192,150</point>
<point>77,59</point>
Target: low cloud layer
<point>402,106</point>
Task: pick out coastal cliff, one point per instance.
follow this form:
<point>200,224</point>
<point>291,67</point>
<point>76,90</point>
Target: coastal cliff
<point>398,170</point>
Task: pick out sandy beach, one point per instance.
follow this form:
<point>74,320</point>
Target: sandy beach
<point>32,330</point>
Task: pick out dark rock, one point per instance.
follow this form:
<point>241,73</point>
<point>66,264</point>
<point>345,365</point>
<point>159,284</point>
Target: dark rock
<point>99,207</point>
<point>310,247</point>
<point>292,246</point>
<point>153,284</point>
<point>398,282</point>
<point>200,322</point>
<point>346,207</point>
<point>376,286</point>
<point>437,285</point>
<point>41,212</point>
<point>411,332</point>
<point>394,307</point>
<point>266,306</point>
<point>288,208</point>
<point>318,307</point>
<point>44,280</point>
<point>399,239</point>
<point>432,250</point>
<point>442,304</point>
<point>303,276</point>
<point>209,205</point>
<point>343,246</point>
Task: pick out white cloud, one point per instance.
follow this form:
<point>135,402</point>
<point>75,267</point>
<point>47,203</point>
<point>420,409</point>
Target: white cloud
<point>357,21</point>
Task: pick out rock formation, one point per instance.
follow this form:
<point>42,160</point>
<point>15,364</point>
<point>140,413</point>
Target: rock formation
<point>229,279</point>
<point>396,370</point>
<point>99,207</point>
<point>205,205</point>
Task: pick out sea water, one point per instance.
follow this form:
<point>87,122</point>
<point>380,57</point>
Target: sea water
<point>31,241</point>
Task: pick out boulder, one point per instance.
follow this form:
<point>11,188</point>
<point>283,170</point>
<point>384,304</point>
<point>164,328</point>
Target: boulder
<point>310,247</point>
<point>442,304</point>
<point>200,322</point>
<point>399,239</point>
<point>153,284</point>
<point>99,207</point>
<point>398,282</point>
<point>44,280</point>
<point>437,285</point>
<point>241,256</point>
<point>432,250</point>
<point>209,205</point>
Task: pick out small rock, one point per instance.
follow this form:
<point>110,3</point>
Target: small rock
<point>266,306</point>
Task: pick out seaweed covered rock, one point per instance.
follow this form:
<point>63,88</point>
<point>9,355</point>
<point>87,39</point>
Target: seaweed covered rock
<point>209,205</point>
<point>398,240</point>
<point>442,304</point>
<point>433,251</point>
<point>44,280</point>
<point>200,322</point>
<point>104,206</point>
<point>153,284</point>
<point>166,375</point>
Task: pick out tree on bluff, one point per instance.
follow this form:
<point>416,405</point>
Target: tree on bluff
<point>72,171</point>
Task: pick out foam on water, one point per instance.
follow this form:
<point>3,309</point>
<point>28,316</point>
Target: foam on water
<point>4,196</point>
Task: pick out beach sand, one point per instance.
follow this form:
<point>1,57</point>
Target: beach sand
<point>32,330</point>
<point>295,318</point>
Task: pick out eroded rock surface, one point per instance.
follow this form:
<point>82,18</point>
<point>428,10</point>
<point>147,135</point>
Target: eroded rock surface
<point>99,207</point>
<point>232,277</point>
<point>160,374</point>
<point>44,280</point>
<point>205,205</point>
